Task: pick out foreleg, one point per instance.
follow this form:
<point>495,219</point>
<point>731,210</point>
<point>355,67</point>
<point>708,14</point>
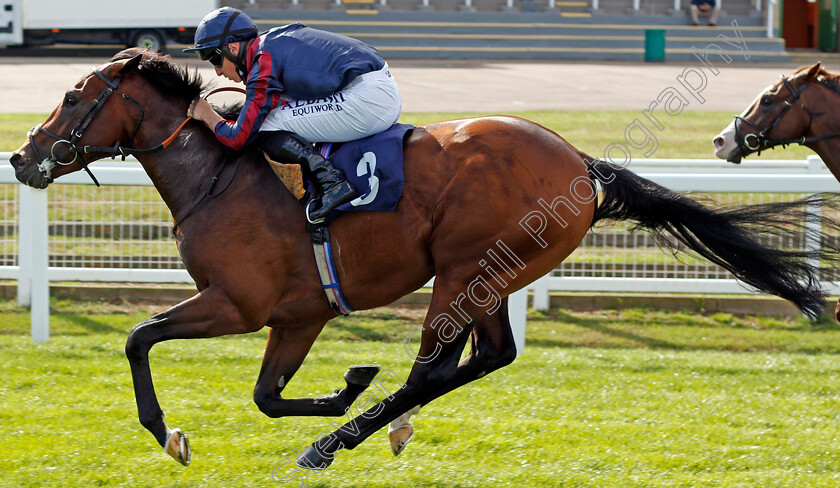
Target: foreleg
<point>284,353</point>
<point>210,313</point>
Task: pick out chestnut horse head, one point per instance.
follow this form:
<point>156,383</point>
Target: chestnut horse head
<point>488,205</point>
<point>797,109</point>
<point>87,126</point>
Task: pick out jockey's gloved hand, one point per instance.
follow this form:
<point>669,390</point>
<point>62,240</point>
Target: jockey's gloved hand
<point>201,110</point>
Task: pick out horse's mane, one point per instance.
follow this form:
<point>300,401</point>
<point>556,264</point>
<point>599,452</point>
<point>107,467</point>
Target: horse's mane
<point>824,77</point>
<point>179,81</point>
<point>161,71</point>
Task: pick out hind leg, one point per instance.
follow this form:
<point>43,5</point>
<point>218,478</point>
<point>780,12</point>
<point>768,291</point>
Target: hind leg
<point>837,310</point>
<point>435,372</point>
<point>491,347</point>
<point>284,353</point>
<point>401,431</point>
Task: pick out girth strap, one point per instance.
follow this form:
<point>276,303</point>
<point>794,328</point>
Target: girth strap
<point>326,271</point>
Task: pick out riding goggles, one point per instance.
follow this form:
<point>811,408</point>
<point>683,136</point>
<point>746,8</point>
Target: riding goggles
<point>214,55</point>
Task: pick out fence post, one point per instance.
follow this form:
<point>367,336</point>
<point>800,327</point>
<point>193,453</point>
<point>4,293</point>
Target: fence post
<point>518,314</point>
<point>40,308</point>
<point>812,234</point>
<point>541,295</point>
<point>813,216</point>
<point>24,275</point>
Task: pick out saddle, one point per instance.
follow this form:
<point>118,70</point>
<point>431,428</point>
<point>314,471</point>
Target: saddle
<point>374,165</point>
<point>290,175</point>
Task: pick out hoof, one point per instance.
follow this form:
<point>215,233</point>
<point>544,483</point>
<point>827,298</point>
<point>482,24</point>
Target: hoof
<point>178,446</point>
<point>399,438</point>
<point>361,374</point>
<point>313,460</point>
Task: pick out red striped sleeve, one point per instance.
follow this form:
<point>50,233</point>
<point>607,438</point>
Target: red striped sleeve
<point>237,134</point>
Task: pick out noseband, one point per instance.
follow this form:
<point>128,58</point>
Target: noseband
<point>759,141</point>
<point>81,126</point>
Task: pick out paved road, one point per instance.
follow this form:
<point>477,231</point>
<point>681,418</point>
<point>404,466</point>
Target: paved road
<point>37,85</point>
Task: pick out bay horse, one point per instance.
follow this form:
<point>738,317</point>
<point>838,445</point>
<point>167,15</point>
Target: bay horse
<point>800,108</point>
<point>489,205</point>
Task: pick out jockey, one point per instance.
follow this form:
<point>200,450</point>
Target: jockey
<point>303,85</point>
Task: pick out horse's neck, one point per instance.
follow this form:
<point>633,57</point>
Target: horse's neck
<point>828,149</point>
<point>824,123</point>
<point>182,172</point>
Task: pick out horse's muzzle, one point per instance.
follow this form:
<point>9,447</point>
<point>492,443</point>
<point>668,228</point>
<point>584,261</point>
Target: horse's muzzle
<point>18,161</point>
<point>726,147</point>
<point>735,157</point>
<point>28,173</point>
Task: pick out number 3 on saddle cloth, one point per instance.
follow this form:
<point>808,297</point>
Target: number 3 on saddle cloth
<point>374,166</point>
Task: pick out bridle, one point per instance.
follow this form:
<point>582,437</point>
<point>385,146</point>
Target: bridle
<point>79,129</point>
<point>759,141</point>
<point>117,149</point>
<point>81,126</point>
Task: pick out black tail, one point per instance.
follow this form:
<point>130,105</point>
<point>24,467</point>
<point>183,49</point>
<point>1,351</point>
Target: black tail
<point>732,237</point>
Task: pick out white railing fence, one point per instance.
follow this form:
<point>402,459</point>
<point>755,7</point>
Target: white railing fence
<point>467,4</point>
<point>594,5</point>
<point>552,4</point>
<point>122,233</point>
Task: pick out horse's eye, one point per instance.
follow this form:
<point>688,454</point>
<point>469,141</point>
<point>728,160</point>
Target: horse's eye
<point>70,100</point>
<point>766,100</point>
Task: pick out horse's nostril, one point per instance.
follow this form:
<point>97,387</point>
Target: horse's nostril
<point>17,161</point>
<point>719,142</point>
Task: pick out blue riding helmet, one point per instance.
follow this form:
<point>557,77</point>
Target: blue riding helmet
<point>219,28</point>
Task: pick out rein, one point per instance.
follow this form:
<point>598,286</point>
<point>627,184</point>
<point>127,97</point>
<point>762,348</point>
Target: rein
<point>208,194</point>
<point>215,179</point>
<point>118,149</point>
<point>84,121</point>
<point>760,142</point>
<point>125,151</point>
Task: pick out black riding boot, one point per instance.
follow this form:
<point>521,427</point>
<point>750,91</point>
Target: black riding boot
<point>286,147</point>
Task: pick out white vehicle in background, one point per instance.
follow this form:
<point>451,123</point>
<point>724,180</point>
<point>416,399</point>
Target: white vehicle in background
<point>147,23</point>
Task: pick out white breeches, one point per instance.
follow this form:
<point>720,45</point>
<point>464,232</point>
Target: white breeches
<point>368,105</point>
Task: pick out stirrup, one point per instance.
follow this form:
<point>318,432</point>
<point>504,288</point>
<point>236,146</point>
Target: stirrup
<point>308,219</point>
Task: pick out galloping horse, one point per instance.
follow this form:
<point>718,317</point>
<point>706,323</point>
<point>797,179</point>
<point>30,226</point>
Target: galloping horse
<point>786,113</point>
<point>489,205</point>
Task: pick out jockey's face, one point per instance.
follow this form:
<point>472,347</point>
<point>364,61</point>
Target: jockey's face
<point>227,69</point>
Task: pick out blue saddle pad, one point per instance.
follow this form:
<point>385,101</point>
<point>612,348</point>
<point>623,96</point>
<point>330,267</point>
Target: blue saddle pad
<point>374,165</point>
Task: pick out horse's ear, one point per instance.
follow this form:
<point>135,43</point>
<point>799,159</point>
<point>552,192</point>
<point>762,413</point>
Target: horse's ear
<point>125,66</point>
<point>813,71</point>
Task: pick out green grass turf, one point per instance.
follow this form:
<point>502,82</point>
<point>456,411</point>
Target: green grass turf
<point>687,135</point>
<point>632,398</point>
<point>636,398</point>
